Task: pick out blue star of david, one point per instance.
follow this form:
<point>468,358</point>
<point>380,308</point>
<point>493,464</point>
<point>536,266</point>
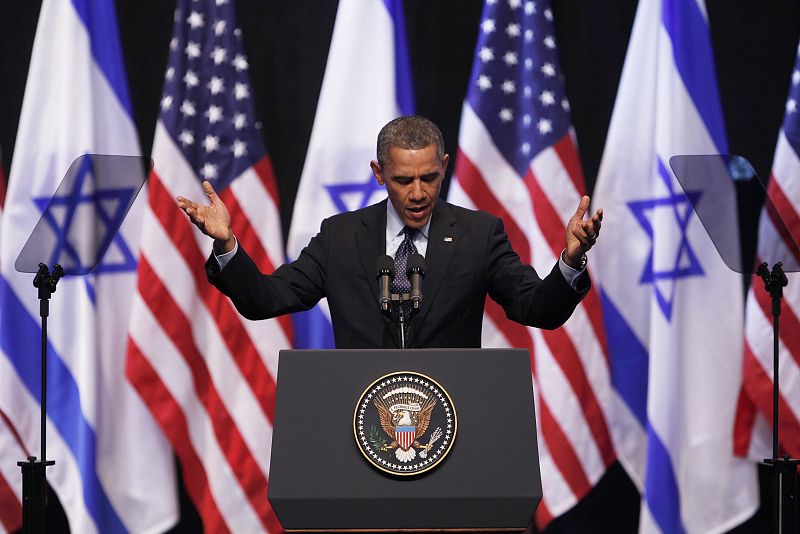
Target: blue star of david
<point>338,191</point>
<point>110,206</point>
<point>686,263</point>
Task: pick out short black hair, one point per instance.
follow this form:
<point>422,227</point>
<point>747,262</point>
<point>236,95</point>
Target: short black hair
<point>410,132</point>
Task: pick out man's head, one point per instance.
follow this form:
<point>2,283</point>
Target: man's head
<point>411,164</point>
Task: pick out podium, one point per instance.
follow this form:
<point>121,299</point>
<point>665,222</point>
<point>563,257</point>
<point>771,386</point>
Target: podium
<point>320,480</point>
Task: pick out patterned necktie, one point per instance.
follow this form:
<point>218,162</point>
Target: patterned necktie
<point>401,284</point>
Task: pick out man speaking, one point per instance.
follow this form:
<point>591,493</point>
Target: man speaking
<point>467,255</point>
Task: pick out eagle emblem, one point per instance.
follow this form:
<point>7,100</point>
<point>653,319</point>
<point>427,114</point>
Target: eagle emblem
<point>392,420</point>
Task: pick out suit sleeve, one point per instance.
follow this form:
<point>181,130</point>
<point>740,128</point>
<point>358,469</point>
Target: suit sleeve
<point>525,297</point>
<point>293,287</point>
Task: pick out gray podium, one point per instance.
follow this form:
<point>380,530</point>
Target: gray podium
<point>320,481</point>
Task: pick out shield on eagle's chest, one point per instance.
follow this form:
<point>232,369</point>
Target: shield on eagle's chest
<point>405,436</point>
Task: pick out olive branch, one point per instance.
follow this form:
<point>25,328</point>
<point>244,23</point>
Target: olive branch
<point>375,438</point>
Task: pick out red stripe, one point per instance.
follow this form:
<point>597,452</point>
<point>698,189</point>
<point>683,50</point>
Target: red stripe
<point>562,452</point>
<point>568,154</point>
<point>475,186</point>
<point>13,430</point>
<point>566,355</point>
<point>743,424</point>
<point>172,420</point>
<point>783,215</point>
<point>543,516</point>
<point>789,323</point>
<point>10,507</point>
<point>2,188</point>
<point>759,388</point>
<point>178,328</point>
<point>263,168</point>
<point>547,217</point>
<point>241,346</point>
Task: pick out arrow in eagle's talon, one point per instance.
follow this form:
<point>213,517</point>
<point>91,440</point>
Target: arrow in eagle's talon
<point>434,437</point>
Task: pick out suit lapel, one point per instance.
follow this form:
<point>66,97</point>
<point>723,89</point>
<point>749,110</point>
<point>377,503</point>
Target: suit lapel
<point>443,238</point>
<point>371,243</point>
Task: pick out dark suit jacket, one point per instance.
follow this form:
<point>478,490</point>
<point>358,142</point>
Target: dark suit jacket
<point>476,259</point>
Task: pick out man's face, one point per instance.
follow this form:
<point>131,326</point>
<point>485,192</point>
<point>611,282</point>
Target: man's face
<point>412,179</point>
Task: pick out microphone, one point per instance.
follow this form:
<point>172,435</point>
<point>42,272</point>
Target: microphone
<point>415,268</point>
<point>384,266</point>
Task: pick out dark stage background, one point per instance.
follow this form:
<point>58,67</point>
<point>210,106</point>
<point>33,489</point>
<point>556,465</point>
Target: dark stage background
<point>287,43</point>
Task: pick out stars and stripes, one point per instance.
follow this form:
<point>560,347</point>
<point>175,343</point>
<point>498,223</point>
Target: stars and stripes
<point>753,436</point>
<point>517,159</point>
<point>11,449</point>
<point>206,373</point>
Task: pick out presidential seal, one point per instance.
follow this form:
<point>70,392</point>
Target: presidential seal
<point>405,423</point>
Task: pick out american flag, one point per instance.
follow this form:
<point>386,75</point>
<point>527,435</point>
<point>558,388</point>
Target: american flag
<point>753,434</point>
<point>517,159</point>
<point>208,375</point>
<point>11,450</point>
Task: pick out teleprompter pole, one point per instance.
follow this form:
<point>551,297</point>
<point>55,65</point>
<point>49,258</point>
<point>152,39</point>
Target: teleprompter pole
<point>34,478</point>
<point>784,469</point>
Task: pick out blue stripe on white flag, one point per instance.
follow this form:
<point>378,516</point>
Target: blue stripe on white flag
<point>694,60</point>
<point>661,487</point>
<point>404,91</point>
<point>629,360</point>
<point>19,333</point>
<point>100,20</point>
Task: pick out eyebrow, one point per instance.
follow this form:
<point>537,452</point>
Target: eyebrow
<point>426,176</point>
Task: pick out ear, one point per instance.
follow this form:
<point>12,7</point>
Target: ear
<point>445,161</point>
<point>377,171</point>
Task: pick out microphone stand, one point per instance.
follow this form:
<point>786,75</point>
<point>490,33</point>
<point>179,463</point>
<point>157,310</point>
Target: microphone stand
<point>784,469</point>
<point>402,320</point>
<point>34,478</point>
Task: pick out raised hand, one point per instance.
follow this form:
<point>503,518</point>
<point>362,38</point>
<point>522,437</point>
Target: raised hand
<point>581,233</point>
<point>212,219</point>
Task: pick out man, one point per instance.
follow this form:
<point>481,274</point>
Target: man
<point>467,255</point>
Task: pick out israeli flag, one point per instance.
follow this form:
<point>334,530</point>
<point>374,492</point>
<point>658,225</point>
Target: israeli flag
<point>673,311</point>
<point>114,470</point>
<point>367,83</point>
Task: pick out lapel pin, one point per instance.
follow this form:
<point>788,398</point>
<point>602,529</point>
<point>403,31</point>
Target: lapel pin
<point>448,239</point>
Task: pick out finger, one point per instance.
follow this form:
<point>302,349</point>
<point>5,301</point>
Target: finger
<point>583,205</point>
<point>580,233</point>
<point>209,191</point>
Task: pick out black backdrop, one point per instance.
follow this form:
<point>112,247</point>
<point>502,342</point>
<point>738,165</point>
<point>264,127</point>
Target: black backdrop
<point>287,43</point>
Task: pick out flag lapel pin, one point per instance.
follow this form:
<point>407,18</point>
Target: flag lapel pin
<point>448,239</point>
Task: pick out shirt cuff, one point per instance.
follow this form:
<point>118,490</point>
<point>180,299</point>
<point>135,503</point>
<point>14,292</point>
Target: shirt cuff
<point>570,273</point>
<point>223,259</point>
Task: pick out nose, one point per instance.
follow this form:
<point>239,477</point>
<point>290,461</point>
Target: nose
<point>417,192</point>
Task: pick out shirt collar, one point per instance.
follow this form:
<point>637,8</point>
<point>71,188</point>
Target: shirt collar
<point>395,225</point>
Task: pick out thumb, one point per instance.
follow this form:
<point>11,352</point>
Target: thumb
<point>582,207</point>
